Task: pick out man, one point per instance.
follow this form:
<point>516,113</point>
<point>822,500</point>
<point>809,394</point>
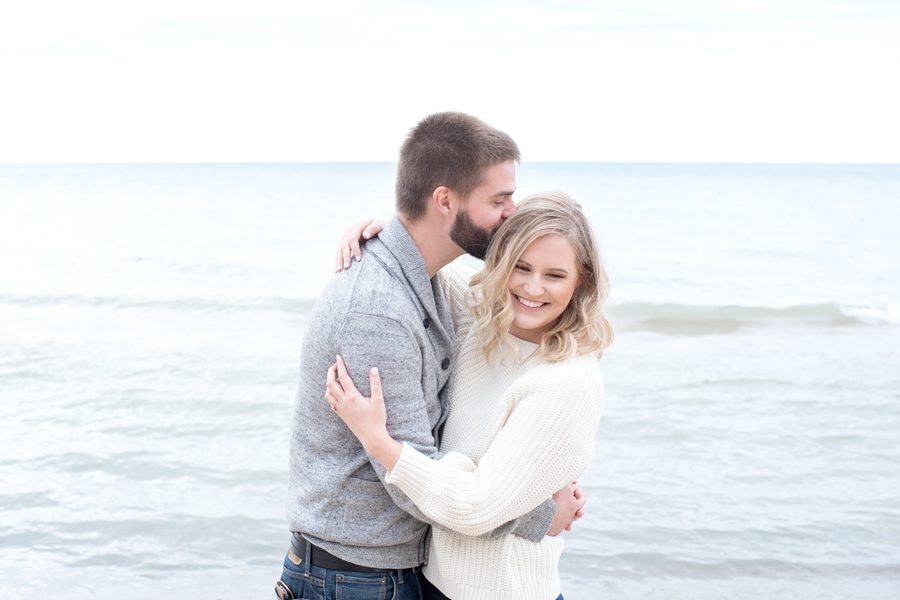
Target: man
<point>353,534</point>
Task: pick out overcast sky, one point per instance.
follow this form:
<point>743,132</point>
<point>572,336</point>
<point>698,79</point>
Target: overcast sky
<point>628,80</point>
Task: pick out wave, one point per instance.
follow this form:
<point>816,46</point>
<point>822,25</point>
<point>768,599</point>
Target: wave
<point>178,303</point>
<point>666,565</point>
<point>648,315</point>
<point>699,319</point>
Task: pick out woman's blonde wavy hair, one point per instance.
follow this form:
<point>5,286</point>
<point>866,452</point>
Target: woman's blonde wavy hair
<point>582,327</point>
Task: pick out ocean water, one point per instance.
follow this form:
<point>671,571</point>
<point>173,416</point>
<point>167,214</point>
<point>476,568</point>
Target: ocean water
<point>151,318</point>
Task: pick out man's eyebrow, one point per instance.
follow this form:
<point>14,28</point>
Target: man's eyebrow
<point>505,193</point>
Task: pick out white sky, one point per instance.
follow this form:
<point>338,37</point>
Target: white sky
<point>627,80</point>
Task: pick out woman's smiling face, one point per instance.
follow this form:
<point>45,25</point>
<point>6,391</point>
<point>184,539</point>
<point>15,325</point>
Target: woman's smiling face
<point>541,286</point>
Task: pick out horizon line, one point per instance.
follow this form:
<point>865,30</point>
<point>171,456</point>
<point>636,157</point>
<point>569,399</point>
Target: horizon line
<point>383,162</point>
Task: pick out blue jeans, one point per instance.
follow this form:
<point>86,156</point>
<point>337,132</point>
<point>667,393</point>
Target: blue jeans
<point>432,593</point>
<point>309,582</point>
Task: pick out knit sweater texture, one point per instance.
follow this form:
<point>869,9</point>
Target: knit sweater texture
<point>385,312</point>
<point>518,430</point>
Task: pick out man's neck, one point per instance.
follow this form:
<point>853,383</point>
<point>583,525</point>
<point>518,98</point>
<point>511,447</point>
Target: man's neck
<point>436,248</point>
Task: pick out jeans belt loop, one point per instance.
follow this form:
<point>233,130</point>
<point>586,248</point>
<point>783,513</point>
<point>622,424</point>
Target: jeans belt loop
<point>307,559</point>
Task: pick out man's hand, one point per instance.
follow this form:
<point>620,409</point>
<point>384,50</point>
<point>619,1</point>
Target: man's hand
<point>570,502</point>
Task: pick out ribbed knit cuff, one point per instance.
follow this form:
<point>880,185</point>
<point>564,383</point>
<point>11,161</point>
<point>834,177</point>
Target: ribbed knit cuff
<point>533,526</point>
<point>412,473</point>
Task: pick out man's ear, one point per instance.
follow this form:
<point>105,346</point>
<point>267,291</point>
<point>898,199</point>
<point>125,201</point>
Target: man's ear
<point>442,198</point>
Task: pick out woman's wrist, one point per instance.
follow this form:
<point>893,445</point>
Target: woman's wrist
<point>384,449</point>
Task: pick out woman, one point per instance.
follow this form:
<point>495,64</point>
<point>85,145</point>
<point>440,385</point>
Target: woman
<point>525,402</point>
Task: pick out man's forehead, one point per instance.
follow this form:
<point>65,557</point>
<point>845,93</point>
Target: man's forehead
<point>500,175</point>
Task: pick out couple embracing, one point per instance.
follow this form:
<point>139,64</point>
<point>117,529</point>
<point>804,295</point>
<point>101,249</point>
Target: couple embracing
<point>459,407</point>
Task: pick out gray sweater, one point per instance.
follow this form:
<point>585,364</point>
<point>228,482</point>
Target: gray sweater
<point>384,312</point>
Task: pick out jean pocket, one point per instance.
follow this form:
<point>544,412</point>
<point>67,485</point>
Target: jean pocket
<point>363,586</point>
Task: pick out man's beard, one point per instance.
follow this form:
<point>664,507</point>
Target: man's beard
<point>469,236</point>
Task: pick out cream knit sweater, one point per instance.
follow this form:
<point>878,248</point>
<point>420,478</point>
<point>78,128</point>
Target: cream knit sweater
<point>516,433</point>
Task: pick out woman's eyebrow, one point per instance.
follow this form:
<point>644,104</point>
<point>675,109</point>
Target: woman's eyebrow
<point>525,263</point>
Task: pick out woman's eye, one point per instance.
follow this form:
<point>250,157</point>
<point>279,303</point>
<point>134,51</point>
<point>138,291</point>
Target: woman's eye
<point>522,268</point>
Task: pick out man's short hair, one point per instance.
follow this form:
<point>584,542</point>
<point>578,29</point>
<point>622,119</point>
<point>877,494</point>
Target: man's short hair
<point>449,149</point>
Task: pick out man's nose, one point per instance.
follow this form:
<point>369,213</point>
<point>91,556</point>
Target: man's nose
<point>509,207</point>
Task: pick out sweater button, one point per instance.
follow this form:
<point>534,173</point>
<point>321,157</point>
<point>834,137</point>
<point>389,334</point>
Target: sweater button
<point>445,364</point>
<point>426,322</point>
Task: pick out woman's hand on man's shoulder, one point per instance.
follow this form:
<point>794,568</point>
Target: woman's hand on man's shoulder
<point>349,246</point>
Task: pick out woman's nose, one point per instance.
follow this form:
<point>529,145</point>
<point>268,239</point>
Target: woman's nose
<point>533,286</point>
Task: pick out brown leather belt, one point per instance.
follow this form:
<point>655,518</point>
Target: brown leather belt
<point>326,560</point>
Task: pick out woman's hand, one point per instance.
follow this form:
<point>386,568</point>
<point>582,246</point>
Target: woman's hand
<point>570,501</point>
<point>366,417</point>
<point>348,248</point>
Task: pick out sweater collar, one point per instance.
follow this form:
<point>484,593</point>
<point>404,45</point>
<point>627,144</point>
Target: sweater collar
<point>400,244</point>
<point>397,241</point>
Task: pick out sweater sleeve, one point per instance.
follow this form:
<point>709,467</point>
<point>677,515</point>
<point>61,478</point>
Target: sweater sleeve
<point>405,405</point>
<point>547,441</point>
<point>455,279</point>
<point>399,360</point>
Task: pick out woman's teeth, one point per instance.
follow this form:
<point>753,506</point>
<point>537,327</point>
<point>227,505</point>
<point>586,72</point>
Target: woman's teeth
<point>529,303</point>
